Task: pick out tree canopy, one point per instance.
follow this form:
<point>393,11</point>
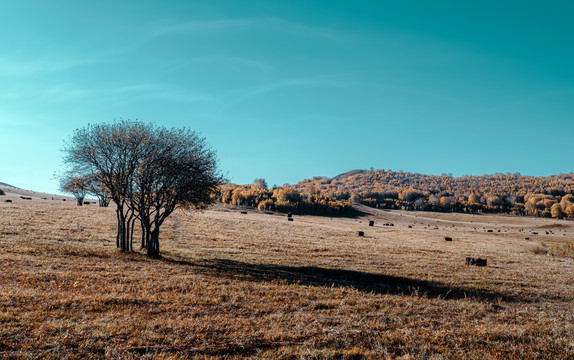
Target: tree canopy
<point>148,171</point>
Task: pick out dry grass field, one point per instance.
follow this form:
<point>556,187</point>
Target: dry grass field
<point>234,286</point>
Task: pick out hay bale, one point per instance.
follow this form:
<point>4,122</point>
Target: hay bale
<point>475,261</point>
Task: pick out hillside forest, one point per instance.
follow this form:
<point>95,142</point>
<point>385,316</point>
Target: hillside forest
<point>513,194</point>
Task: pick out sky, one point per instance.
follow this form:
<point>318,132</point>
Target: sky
<point>288,90</point>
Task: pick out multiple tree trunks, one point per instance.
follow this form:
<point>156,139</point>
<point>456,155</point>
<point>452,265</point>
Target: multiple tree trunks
<point>475,261</point>
<point>146,170</point>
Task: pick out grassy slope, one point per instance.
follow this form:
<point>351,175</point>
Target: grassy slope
<point>233,285</point>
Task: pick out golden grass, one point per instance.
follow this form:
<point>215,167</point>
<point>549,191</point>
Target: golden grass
<point>235,286</point>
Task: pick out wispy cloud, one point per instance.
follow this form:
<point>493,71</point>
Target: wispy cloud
<point>242,95</point>
<point>233,61</point>
<point>266,23</point>
<point>67,93</point>
<point>28,68</point>
<point>15,120</point>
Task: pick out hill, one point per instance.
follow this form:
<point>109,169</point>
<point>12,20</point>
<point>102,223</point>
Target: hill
<point>348,173</point>
<point>13,192</point>
<point>551,196</point>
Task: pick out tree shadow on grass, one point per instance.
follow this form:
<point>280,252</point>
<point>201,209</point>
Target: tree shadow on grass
<point>324,277</point>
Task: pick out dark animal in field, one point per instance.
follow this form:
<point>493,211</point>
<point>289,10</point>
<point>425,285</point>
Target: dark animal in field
<point>361,233</point>
<point>447,238</point>
<point>371,223</point>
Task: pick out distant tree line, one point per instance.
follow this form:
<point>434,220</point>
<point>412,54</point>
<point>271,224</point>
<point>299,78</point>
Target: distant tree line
<point>282,199</point>
<point>551,196</point>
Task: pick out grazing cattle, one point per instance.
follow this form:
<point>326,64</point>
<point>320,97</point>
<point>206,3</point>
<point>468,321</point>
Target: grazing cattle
<point>447,238</point>
<point>361,233</point>
<point>289,215</point>
<point>488,230</point>
<point>371,223</point>
<point>244,212</point>
<point>410,226</point>
<point>8,201</point>
<point>290,219</point>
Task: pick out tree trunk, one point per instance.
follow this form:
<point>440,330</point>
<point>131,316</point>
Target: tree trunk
<point>118,232</point>
<point>153,244</point>
<point>122,242</point>
<point>131,230</point>
<point>144,235</point>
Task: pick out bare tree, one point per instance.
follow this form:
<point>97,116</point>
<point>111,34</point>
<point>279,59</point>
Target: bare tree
<point>177,170</point>
<point>147,171</point>
<point>99,190</point>
<point>76,186</point>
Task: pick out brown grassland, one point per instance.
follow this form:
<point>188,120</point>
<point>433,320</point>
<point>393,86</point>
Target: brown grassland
<point>231,286</point>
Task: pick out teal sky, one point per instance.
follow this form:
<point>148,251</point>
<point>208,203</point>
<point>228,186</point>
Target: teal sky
<point>294,89</point>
